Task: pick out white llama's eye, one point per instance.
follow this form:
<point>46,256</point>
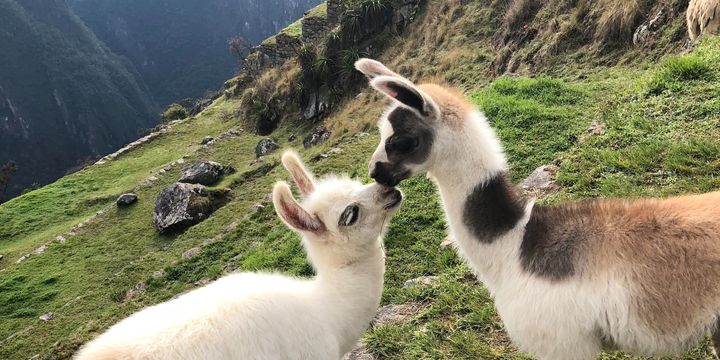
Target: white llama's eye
<point>349,216</point>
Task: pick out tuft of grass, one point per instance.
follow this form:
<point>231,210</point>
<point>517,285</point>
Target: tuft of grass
<point>676,71</point>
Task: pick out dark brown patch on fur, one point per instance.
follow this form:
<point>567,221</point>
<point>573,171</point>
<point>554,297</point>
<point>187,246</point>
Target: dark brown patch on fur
<point>554,238</point>
<point>493,208</point>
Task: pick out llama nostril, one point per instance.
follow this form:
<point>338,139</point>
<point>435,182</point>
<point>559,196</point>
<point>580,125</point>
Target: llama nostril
<point>374,170</point>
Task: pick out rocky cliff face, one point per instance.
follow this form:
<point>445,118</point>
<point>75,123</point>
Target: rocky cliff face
<point>180,47</point>
<point>64,97</point>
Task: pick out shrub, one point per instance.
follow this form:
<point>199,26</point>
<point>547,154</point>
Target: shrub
<point>174,111</point>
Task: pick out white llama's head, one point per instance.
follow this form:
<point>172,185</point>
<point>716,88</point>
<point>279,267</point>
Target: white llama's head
<point>337,214</point>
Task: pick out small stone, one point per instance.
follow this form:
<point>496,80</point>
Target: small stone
<point>47,317</point>
<point>206,140</point>
<point>421,281</point>
<point>359,352</point>
<point>60,239</point>
<point>41,250</point>
<point>396,313</point>
<point>257,207</point>
<point>597,128</point>
<point>230,227</point>
<point>318,136</point>
<point>541,180</point>
<point>447,242</point>
<point>158,274</point>
<point>265,146</point>
<point>292,138</point>
<point>202,282</point>
<point>126,200</point>
<point>137,289</point>
<point>319,157</point>
<point>189,254</point>
<point>151,180</point>
<point>205,173</point>
<point>335,151</point>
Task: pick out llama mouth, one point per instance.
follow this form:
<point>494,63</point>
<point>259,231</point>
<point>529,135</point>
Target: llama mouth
<point>396,200</point>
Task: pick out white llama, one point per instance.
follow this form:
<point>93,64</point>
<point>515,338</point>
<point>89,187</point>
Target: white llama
<point>271,316</point>
<point>569,280</point>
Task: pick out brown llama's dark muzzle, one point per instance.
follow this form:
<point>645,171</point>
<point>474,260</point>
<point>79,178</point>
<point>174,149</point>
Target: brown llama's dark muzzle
<point>387,174</point>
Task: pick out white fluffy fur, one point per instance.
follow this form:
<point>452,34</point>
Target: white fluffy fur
<point>271,316</point>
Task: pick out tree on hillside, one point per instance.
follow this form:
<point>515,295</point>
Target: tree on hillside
<point>5,173</point>
<point>239,47</point>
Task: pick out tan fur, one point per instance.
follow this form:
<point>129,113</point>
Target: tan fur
<point>703,17</point>
<point>667,252</point>
<point>453,106</point>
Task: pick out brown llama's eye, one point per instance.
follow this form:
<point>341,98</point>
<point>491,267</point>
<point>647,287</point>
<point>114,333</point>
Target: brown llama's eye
<point>349,216</point>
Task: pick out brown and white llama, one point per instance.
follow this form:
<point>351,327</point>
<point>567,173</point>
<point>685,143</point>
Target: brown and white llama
<point>569,280</point>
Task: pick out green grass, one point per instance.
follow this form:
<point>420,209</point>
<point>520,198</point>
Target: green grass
<point>293,30</point>
<point>319,11</point>
<point>535,118</point>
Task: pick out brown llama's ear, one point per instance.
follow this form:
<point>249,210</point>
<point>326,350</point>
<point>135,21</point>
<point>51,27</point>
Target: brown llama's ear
<point>302,176</point>
<point>406,93</point>
<point>292,213</point>
<point>373,68</point>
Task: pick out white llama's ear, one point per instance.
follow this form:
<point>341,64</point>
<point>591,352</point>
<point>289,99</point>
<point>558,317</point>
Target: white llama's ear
<point>302,176</point>
<point>292,213</point>
<point>406,93</point>
<point>372,68</point>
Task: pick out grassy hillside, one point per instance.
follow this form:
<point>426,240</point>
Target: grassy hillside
<point>656,114</point>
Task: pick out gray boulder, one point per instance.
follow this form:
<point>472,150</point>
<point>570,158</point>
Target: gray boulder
<point>318,136</point>
<point>126,200</point>
<point>182,205</point>
<point>266,146</point>
<point>205,173</point>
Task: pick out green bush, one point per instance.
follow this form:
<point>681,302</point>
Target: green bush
<point>174,111</point>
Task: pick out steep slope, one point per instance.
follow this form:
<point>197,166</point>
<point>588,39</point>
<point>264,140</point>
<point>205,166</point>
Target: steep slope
<point>618,120</point>
<point>181,47</point>
<point>64,97</point>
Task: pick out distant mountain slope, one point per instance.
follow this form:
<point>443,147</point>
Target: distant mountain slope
<point>64,97</point>
<point>180,47</point>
